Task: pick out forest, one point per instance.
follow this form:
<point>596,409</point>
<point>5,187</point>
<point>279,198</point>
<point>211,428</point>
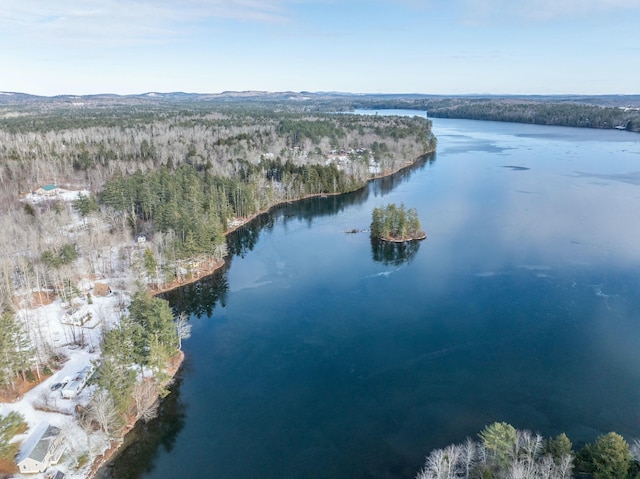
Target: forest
<point>179,174</point>
<point>575,112</point>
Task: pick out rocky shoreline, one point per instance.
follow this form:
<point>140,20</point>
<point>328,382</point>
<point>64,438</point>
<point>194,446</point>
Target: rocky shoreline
<point>404,240</point>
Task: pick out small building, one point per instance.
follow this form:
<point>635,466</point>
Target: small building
<point>47,190</point>
<point>42,449</point>
<point>141,239</point>
<point>101,289</point>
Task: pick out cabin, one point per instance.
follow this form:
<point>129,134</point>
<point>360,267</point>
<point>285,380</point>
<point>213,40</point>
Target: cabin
<point>47,190</point>
<point>101,289</point>
<point>42,449</point>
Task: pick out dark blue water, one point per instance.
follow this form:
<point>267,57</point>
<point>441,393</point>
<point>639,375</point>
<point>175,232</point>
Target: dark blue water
<point>314,355</point>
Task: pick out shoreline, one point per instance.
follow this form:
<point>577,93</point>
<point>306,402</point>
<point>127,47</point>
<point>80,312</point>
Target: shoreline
<point>172,369</point>
<point>403,240</point>
<point>201,273</point>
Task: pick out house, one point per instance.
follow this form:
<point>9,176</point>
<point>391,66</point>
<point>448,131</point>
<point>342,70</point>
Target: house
<point>47,190</point>
<point>101,289</point>
<point>41,450</point>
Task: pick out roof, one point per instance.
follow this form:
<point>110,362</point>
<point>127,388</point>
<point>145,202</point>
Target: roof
<point>49,187</point>
<point>37,445</point>
<point>101,289</point>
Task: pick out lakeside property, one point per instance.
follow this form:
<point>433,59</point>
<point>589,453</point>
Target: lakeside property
<point>84,320</point>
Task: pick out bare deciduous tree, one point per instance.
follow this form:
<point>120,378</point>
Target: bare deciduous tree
<point>103,411</point>
<point>183,328</point>
<point>468,456</point>
<point>145,399</point>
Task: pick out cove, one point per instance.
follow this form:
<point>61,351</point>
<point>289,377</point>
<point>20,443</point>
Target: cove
<point>315,355</point>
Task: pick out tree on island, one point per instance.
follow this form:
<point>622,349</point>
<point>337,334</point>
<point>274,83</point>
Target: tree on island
<point>392,223</point>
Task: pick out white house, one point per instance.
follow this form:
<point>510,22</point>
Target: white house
<point>42,449</point>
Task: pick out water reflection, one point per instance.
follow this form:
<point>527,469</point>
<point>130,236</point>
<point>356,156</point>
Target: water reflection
<point>244,239</point>
<point>382,186</point>
<point>145,441</point>
<point>199,299</point>
<point>395,254</point>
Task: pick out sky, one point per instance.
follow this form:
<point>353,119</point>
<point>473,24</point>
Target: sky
<point>378,46</point>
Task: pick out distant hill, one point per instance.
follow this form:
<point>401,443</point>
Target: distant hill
<point>598,111</point>
<point>256,95</point>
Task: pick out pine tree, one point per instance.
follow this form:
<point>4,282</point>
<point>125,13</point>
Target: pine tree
<point>15,350</point>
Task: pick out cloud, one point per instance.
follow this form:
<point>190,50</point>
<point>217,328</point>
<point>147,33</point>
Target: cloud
<point>134,21</point>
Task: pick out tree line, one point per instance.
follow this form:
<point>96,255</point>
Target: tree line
<point>503,452</point>
<point>87,146</point>
<point>566,112</point>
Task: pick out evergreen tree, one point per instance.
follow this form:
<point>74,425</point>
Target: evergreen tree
<point>155,318</point>
<point>10,425</point>
<point>150,263</point>
<point>610,457</point>
<point>559,446</point>
<point>499,439</point>
<point>86,204</point>
<point>15,349</point>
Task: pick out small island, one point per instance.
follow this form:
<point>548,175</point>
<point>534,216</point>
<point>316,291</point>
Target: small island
<point>396,224</point>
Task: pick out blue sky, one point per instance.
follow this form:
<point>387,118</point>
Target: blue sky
<point>377,46</point>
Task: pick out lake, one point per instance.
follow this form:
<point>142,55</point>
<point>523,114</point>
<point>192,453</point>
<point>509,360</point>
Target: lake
<point>315,354</point>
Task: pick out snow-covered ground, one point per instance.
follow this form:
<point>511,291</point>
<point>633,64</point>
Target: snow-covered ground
<point>61,194</point>
<point>76,338</point>
<point>45,403</point>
